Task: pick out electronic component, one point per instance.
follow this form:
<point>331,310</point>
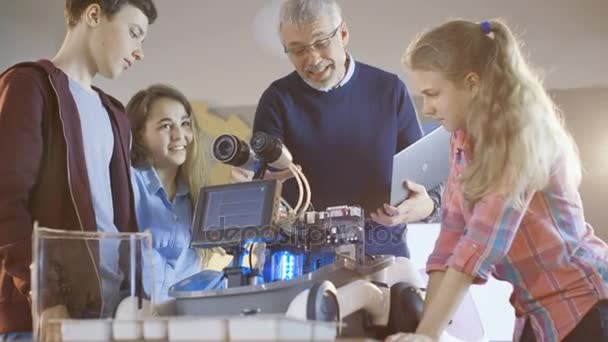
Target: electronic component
<point>231,214</point>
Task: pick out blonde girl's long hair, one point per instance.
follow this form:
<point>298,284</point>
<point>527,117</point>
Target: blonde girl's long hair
<point>517,133</point>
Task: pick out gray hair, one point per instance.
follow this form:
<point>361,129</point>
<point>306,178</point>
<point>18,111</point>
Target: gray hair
<point>302,12</point>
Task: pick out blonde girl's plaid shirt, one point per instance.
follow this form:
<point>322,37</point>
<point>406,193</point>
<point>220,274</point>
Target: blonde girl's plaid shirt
<point>557,266</point>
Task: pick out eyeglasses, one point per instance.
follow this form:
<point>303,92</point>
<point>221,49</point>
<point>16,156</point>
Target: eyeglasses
<point>318,45</point>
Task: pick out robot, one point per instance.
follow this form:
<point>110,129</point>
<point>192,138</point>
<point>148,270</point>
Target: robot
<point>292,261</point>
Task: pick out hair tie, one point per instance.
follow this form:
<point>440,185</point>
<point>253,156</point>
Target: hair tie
<point>485,25</point>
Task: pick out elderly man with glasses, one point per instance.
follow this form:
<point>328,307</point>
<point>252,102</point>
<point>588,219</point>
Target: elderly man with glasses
<point>343,121</point>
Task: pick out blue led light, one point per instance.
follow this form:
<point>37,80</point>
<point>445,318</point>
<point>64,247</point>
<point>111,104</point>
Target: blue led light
<point>286,265</point>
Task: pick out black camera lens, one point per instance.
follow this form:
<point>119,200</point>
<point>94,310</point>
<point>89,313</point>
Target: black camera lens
<point>224,149</point>
<point>229,149</point>
<point>267,147</point>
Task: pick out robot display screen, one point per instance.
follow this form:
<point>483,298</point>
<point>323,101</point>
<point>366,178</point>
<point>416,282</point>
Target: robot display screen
<point>235,207</point>
<point>223,210</point>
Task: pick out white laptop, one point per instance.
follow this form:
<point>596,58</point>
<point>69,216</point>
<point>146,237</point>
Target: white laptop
<point>424,162</point>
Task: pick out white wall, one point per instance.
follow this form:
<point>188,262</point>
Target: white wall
<point>586,112</point>
<point>226,51</point>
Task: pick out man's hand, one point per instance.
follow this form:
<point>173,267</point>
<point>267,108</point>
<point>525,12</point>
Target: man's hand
<point>416,207</point>
<point>406,337</point>
<point>50,331</point>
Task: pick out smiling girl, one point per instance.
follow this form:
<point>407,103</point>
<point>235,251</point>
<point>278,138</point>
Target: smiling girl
<point>168,171</point>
